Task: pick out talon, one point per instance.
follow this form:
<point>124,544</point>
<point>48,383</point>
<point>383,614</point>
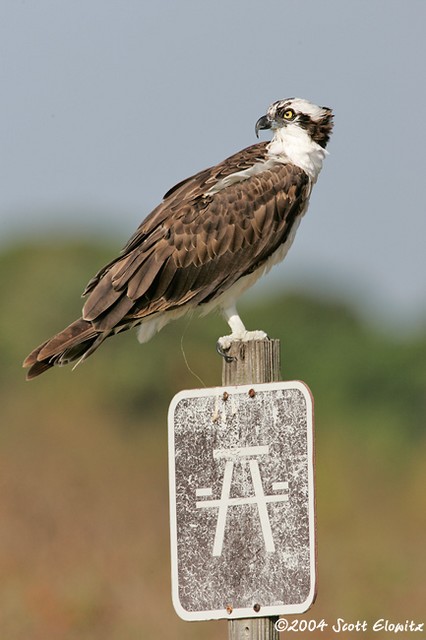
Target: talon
<point>221,351</point>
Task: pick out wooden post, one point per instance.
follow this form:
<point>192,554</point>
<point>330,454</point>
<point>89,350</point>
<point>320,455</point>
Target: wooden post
<point>256,361</point>
<point>253,629</point>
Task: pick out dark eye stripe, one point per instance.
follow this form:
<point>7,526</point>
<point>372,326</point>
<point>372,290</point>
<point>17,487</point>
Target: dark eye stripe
<point>319,130</point>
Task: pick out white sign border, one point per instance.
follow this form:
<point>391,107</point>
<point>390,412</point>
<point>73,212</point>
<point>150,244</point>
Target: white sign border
<point>245,612</point>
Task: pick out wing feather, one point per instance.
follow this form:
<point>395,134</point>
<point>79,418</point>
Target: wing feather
<point>196,244</point>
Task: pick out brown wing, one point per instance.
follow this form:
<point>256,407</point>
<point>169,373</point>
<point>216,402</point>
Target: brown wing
<point>194,245</point>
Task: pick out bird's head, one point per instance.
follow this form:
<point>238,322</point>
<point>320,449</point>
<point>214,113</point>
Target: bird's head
<point>296,115</point>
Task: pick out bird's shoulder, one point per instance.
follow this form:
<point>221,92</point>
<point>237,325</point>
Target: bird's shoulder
<point>197,190</point>
<point>202,181</point>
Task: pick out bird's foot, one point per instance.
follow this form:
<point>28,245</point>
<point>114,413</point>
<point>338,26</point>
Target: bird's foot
<point>224,343</point>
<point>222,350</point>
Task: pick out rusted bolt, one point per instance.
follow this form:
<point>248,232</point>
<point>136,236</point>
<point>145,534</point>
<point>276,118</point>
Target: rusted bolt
<point>229,608</point>
<point>252,393</point>
<point>225,395</point>
<point>256,607</point>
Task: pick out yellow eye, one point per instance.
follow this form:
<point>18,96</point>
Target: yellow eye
<point>289,114</point>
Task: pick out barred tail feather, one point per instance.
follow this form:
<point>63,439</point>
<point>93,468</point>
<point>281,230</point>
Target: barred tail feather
<point>75,343</point>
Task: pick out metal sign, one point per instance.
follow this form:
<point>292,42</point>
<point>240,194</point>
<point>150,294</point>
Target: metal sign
<point>241,465</point>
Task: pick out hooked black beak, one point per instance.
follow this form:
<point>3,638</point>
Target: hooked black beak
<point>263,123</point>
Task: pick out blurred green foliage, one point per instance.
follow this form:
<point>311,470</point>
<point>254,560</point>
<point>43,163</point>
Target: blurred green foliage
<point>372,380</point>
<point>83,522</point>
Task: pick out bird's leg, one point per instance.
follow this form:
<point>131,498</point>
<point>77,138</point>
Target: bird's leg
<point>239,332</point>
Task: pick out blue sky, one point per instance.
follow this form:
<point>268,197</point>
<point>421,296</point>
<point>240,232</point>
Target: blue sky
<point>106,104</point>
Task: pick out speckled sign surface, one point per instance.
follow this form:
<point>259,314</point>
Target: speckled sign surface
<point>241,464</point>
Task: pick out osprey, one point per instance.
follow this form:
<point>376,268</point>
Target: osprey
<point>213,235</point>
